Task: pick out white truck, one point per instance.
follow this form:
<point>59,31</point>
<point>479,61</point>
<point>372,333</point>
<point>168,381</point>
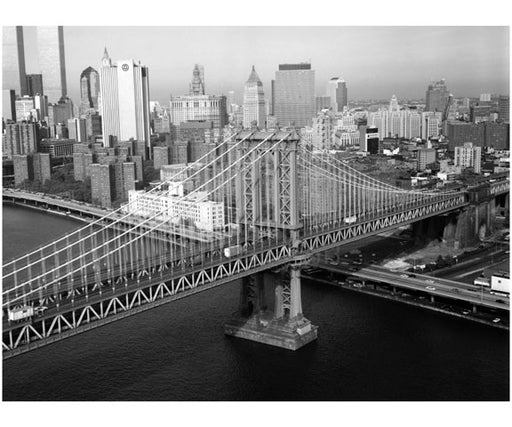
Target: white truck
<point>350,219</point>
<point>500,284</point>
<point>232,251</point>
<point>20,313</point>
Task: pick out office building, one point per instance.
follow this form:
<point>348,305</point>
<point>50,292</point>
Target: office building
<point>41,106</point>
<point>50,47</point>
<point>210,108</point>
<point>254,109</point>
<point>294,95</point>
<point>125,102</point>
<point>322,103</point>
<point>337,92</point>
<point>13,60</point>
<point>57,147</point>
<point>160,157</point>
<point>437,96</point>
<point>426,156</point>
<point>461,132</point>
<point>25,109</point>
<point>89,90</point>
<point>20,138</point>
<point>479,113</point>
<point>77,129</point>
<point>197,83</point>
<point>379,120</point>
<point>34,84</point>
<point>468,156</point>
<point>92,124</point>
<point>102,185</point>
<point>60,112</point>
<point>504,108</point>
<point>431,124</point>
<point>485,97</point>
<point>497,135</point>
<point>162,123</point>
<point>369,139</point>
<point>412,124</point>
<point>9,104</point>
<point>168,207</point>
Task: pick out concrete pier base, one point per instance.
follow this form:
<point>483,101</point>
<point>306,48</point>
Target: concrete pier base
<point>291,334</point>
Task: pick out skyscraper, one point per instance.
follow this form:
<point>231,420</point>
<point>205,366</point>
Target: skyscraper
<point>294,94</point>
<point>89,89</point>
<point>197,84</point>
<point>504,108</point>
<point>13,60</point>
<point>34,84</point>
<point>437,96</point>
<point>337,91</point>
<point>125,102</point>
<point>254,101</point>
<point>50,47</point>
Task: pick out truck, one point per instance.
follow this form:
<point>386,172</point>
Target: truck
<point>20,313</point>
<point>350,219</point>
<point>232,251</point>
<point>500,284</point>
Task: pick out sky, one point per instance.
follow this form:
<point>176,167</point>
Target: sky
<point>376,62</point>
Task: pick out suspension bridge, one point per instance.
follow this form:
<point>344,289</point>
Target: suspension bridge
<point>270,203</point>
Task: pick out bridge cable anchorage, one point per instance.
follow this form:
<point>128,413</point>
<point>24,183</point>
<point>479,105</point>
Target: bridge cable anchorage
<point>118,211</point>
<point>230,167</point>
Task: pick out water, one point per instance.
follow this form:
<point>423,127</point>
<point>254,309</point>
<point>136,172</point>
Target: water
<point>368,349</point>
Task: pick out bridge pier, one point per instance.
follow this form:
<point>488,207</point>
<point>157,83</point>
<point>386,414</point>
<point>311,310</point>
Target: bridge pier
<point>285,326</point>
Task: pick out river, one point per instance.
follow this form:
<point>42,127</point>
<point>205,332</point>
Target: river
<point>368,349</point>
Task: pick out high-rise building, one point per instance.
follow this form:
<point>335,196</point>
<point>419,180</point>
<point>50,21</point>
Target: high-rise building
<point>20,138</point>
<point>89,90</point>
<point>426,156</point>
<point>461,132</point>
<point>13,60</point>
<point>504,108</point>
<point>322,103</point>
<point>22,168</point>
<point>231,101</point>
<point>468,156</point>
<point>25,109</point>
<point>102,185</point>
<point>254,101</point>
<point>379,120</point>
<point>485,97</point>
<point>369,139</point>
<point>197,83</point>
<point>34,84</point>
<point>294,95</point>
<point>437,96</point>
<point>125,102</point>
<point>50,47</point>
<point>160,157</point>
<point>9,104</point>
<point>337,91</point>
<point>430,124</point>
<point>60,112</point>
<point>210,108</point>
<point>412,125</point>
<point>42,167</point>
<point>77,129</point>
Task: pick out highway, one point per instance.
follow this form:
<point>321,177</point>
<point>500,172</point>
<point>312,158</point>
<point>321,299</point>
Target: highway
<point>431,285</point>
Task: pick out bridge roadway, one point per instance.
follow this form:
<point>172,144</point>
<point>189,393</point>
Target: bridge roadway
<point>421,282</point>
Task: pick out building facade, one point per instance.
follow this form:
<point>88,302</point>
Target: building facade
<point>254,108</point>
<point>294,95</point>
<point>89,90</point>
<point>467,156</point>
<point>199,108</point>
<point>52,62</point>
<point>125,102</point>
<point>13,60</point>
<point>437,96</point>
<point>337,92</point>
<point>20,138</point>
<point>34,84</point>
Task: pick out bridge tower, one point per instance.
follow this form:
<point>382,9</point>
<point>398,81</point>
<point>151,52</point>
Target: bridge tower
<point>267,201</point>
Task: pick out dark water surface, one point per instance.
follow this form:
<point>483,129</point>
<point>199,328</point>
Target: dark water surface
<point>368,349</point>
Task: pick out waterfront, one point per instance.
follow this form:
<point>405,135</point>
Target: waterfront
<point>368,349</point>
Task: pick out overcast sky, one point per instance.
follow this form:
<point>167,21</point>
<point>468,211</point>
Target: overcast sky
<point>376,62</point>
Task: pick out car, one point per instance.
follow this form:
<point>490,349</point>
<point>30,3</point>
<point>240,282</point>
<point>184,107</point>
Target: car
<point>357,285</point>
<point>465,312</point>
<point>405,276</point>
<point>497,320</point>
<point>429,281</point>
<point>430,288</point>
<point>500,301</point>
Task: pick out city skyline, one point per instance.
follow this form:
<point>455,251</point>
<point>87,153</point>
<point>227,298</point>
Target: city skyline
<point>409,58</point>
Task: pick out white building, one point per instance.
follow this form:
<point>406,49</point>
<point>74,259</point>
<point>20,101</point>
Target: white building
<point>254,107</point>
<point>125,101</point>
<point>166,206</point>
<point>468,156</point>
<point>431,124</point>
<point>337,91</point>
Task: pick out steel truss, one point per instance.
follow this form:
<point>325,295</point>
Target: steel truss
<point>107,307</point>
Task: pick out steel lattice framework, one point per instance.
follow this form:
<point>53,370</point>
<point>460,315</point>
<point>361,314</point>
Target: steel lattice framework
<point>281,203</point>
